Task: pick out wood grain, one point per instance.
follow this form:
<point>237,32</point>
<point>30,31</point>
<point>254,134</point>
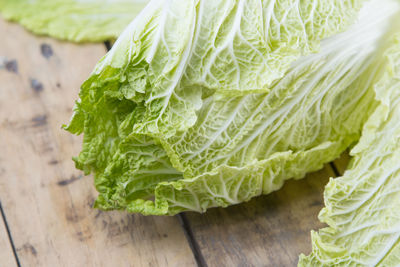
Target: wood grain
<point>270,230</point>
<point>47,202</point>
<point>6,254</point>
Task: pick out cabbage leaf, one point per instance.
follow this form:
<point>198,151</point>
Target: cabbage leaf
<point>362,206</point>
<point>73,20</point>
<point>209,103</point>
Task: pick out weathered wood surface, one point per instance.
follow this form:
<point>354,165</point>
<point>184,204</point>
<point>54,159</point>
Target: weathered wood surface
<point>269,230</point>
<point>47,203</point>
<point>6,254</point>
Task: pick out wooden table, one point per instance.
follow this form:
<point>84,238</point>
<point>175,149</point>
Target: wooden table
<point>46,204</point>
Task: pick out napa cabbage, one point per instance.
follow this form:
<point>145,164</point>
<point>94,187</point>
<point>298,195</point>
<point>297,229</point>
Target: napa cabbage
<point>209,103</point>
<point>73,20</point>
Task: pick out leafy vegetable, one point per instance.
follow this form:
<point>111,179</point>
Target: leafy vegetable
<point>209,103</point>
<point>362,207</point>
<point>73,20</point>
<point>206,103</point>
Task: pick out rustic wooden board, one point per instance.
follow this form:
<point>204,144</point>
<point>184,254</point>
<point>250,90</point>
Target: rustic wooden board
<point>270,230</point>
<point>47,202</point>
<point>6,254</point>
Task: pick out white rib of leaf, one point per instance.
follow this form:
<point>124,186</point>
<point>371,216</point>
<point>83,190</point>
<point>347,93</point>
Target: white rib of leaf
<point>343,46</point>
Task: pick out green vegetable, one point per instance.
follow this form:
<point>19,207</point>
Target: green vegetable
<point>362,207</point>
<point>73,20</point>
<point>206,103</point>
<point>209,103</point>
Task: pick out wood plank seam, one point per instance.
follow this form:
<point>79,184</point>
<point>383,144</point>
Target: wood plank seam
<point>3,215</point>
<point>192,240</point>
<point>108,45</point>
<point>335,169</point>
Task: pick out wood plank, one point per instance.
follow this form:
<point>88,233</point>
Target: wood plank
<point>270,230</point>
<point>48,203</point>
<point>6,254</point>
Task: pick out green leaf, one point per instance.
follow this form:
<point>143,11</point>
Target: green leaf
<point>73,20</point>
<point>362,206</point>
<point>168,128</point>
